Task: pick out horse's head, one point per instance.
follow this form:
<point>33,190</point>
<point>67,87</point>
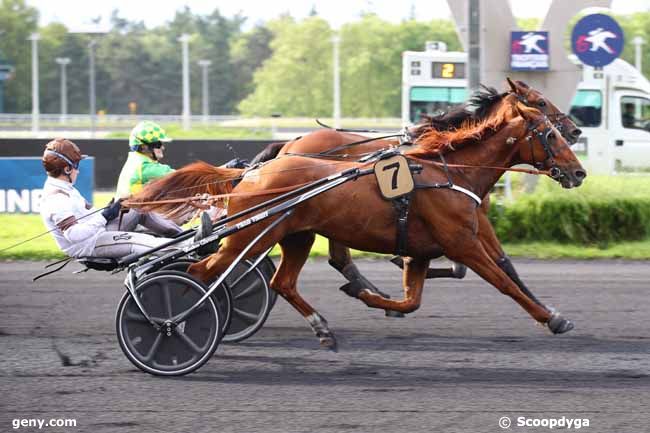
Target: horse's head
<point>534,98</point>
<point>545,148</point>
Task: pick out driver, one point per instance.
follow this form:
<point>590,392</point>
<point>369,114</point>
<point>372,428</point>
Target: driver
<point>147,145</point>
<point>80,230</point>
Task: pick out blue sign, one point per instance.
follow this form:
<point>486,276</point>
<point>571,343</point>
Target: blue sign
<point>597,40</point>
<point>529,51</point>
<point>22,179</point>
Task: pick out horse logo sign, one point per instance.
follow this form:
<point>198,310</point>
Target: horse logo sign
<point>597,40</point>
<point>529,51</point>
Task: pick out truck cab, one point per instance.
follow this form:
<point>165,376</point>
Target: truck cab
<point>612,108</point>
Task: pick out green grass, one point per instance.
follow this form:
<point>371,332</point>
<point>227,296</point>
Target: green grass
<point>602,187</point>
<point>207,132</point>
<point>20,227</point>
<point>636,250</point>
<point>16,228</point>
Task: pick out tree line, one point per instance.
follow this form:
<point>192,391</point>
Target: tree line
<point>283,65</point>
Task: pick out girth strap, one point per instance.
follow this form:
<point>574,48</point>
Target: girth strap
<point>402,207</point>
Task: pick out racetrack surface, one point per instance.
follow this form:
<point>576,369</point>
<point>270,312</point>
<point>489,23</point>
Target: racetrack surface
<point>466,358</point>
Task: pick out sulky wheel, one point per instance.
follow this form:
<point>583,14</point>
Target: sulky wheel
<point>252,299</point>
<point>160,350</point>
<point>222,295</point>
<point>268,268</point>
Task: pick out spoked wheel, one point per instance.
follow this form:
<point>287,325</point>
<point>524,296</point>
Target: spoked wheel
<point>268,268</point>
<point>252,298</point>
<point>222,295</point>
<point>162,350</point>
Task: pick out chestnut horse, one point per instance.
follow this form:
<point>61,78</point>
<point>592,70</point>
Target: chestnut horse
<point>439,218</point>
<point>480,105</point>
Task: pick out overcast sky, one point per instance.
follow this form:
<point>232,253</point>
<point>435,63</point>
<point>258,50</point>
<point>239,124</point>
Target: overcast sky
<point>74,13</point>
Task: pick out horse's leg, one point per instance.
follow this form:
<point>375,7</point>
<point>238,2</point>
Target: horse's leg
<point>474,255</point>
<point>295,251</point>
<point>492,246</point>
<point>413,281</point>
<point>341,260</point>
<point>491,243</point>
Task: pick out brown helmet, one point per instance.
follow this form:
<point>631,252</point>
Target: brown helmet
<point>60,153</point>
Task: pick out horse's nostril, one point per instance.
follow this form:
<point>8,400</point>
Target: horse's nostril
<point>576,132</point>
<point>580,174</point>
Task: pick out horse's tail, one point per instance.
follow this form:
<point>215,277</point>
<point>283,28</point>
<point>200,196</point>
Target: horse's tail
<point>269,152</point>
<point>194,179</point>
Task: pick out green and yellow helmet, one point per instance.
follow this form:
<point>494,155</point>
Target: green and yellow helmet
<point>147,132</point>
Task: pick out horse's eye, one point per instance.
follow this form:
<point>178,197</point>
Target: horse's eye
<point>542,103</point>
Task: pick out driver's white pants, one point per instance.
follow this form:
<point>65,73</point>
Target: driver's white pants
<point>152,221</point>
<point>121,244</point>
<point>119,240</point>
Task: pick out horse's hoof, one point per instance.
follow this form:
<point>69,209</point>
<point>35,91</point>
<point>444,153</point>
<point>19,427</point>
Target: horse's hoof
<point>393,313</point>
<point>559,325</point>
<point>458,270</point>
<point>328,342</point>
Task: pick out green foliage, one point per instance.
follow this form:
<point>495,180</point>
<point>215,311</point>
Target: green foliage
<point>297,78</point>
<point>637,24</point>
<point>604,210</point>
<point>133,64</point>
<point>528,24</point>
<point>17,22</point>
<point>282,65</point>
<point>249,50</point>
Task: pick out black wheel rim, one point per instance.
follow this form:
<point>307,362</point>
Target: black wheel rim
<point>187,344</point>
<point>251,301</point>
<point>222,294</point>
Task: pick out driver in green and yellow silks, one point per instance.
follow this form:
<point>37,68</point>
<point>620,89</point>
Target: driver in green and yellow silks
<point>147,144</point>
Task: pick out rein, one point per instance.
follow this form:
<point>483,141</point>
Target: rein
<point>489,167</point>
<point>206,198</point>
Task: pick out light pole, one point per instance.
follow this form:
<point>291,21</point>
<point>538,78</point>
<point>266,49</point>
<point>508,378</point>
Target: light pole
<point>63,61</point>
<point>91,84</point>
<point>93,31</point>
<point>638,41</point>
<point>34,37</point>
<point>474,44</point>
<point>204,64</point>
<point>184,40</point>
<point>336,41</point>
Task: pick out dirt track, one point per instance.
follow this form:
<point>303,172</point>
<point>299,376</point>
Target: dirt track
<point>468,357</point>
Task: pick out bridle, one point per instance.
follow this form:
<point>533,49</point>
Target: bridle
<point>556,118</point>
<point>543,136</point>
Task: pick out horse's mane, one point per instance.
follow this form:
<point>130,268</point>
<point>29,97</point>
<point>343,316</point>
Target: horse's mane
<point>434,142</point>
<point>477,107</point>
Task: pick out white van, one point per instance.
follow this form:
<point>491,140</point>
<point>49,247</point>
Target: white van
<point>612,108</point>
<point>611,105</point>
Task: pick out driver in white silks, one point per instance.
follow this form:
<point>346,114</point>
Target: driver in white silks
<point>80,230</point>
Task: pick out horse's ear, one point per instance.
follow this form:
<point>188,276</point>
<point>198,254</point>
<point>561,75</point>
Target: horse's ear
<point>513,86</point>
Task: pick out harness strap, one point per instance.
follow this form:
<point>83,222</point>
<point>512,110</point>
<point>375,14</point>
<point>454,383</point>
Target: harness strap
<point>196,201</point>
<point>465,191</point>
<point>402,205</point>
<point>64,261</point>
